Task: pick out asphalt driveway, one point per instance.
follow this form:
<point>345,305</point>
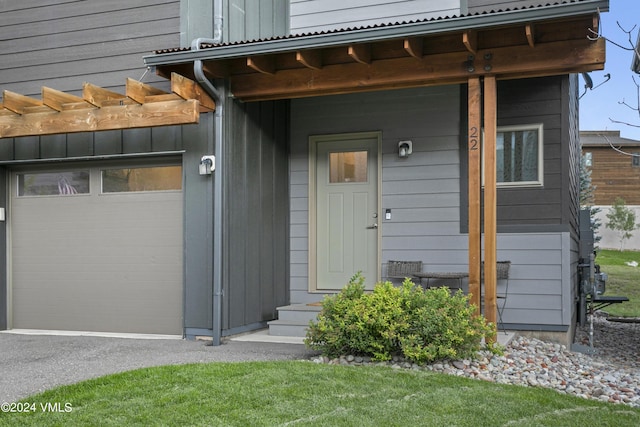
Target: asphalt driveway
<point>30,364</point>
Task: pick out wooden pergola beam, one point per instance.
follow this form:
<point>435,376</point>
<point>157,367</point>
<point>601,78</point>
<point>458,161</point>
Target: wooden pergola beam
<point>60,101</point>
<point>103,97</point>
<point>139,91</point>
<point>188,89</point>
<point>98,119</point>
<point>101,109</point>
<point>17,103</point>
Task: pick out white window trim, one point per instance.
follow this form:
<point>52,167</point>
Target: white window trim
<point>540,182</point>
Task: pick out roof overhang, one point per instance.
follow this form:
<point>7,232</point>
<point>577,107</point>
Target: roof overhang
<point>101,109</point>
<point>531,42</point>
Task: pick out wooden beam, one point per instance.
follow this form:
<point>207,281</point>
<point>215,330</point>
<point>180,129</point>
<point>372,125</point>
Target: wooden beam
<point>490,199</point>
<point>63,101</point>
<point>6,112</point>
<point>530,33</point>
<point>360,53</point>
<point>413,46</point>
<point>99,96</point>
<point>139,91</point>
<point>310,58</point>
<point>507,62</point>
<point>216,69</point>
<point>17,102</point>
<point>189,89</point>
<point>262,64</point>
<point>473,153</point>
<point>470,41</point>
<point>98,119</point>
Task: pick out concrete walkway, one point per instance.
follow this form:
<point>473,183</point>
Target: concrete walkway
<point>31,363</point>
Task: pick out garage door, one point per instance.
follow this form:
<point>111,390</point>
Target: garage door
<point>97,249</point>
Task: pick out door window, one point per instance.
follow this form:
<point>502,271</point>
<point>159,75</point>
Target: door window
<point>350,166</point>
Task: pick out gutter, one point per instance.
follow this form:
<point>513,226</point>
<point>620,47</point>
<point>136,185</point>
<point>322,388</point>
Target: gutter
<point>368,34</point>
<point>218,142</point>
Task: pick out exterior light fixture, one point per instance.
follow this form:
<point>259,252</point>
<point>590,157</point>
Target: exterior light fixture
<point>207,165</point>
<point>405,148</point>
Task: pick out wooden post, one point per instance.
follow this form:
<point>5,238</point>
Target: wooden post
<point>473,135</point>
<point>490,221</point>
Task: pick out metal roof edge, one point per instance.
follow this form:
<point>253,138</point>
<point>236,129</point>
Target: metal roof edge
<point>363,35</point>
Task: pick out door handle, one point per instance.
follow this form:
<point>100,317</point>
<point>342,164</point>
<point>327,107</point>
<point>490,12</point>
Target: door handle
<point>371,227</point>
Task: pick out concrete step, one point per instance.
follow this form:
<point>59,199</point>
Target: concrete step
<point>293,320</point>
<point>283,328</point>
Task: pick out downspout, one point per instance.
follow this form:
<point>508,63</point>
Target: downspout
<point>218,141</point>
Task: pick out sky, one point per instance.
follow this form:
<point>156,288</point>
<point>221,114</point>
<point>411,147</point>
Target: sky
<point>599,105</point>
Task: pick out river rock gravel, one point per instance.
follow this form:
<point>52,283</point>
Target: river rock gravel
<point>608,370</point>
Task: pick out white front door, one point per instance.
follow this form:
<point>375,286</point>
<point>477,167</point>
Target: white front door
<point>346,214</point>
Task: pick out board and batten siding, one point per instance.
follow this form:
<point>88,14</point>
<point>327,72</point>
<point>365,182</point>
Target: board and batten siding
<point>63,43</point>
<point>324,15</point>
<point>255,274</point>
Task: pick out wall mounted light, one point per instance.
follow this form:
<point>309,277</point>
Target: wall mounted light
<point>405,148</point>
<point>207,165</point>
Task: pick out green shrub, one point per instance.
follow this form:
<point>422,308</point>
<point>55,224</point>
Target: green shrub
<point>423,326</point>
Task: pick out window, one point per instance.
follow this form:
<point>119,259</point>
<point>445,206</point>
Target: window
<point>348,166</point>
<point>588,159</point>
<point>635,160</point>
<point>161,178</point>
<point>519,156</point>
<point>66,183</point>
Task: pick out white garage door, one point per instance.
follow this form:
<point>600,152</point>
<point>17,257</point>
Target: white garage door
<point>97,249</point>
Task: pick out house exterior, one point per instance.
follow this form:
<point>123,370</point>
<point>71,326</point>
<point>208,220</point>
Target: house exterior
<point>614,162</point>
<point>345,135</point>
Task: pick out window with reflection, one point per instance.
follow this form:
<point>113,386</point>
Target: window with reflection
<point>66,183</point>
<point>125,180</point>
<point>519,155</point>
<point>347,167</point>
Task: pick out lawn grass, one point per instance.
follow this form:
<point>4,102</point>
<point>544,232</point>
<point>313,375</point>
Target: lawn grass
<point>307,394</point>
<point>624,280</point>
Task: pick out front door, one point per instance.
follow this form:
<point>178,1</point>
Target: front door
<point>346,210</point>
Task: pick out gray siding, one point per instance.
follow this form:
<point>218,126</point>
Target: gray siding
<point>63,43</point>
<point>538,294</point>
<point>323,15</point>
<point>257,213</point>
<point>242,19</point>
<point>424,195</point>
<point>421,191</point>
<point>251,20</point>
